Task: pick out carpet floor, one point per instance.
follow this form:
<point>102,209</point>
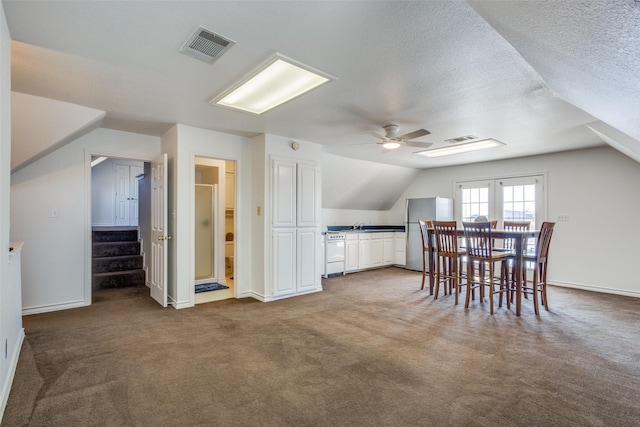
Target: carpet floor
<point>370,350</point>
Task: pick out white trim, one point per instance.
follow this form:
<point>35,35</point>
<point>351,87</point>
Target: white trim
<point>220,269</point>
<point>601,289</point>
<point>87,221</point>
<point>53,307</point>
<point>11,372</point>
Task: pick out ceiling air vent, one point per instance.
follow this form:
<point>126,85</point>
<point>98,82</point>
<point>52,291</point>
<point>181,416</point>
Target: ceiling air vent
<point>461,139</point>
<point>206,45</point>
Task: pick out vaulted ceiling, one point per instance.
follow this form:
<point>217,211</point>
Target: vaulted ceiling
<point>538,75</point>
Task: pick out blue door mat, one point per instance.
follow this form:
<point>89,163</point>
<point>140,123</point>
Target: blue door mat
<point>208,287</point>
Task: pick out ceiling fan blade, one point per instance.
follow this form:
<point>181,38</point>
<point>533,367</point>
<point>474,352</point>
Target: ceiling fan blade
<point>377,135</point>
<point>415,134</point>
<point>418,144</point>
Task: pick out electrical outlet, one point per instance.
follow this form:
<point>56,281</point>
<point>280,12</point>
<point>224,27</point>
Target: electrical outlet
<point>563,217</point>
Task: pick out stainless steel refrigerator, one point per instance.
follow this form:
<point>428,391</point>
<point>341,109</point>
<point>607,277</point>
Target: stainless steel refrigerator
<point>434,208</point>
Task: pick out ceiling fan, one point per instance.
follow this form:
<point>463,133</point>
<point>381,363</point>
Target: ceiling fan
<point>392,140</point>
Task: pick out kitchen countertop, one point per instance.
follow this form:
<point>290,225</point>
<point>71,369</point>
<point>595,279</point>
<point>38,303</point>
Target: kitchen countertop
<point>366,228</point>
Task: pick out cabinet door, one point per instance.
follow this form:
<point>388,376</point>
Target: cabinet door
<point>364,254</point>
<point>283,196</point>
<point>388,252</point>
<point>377,252</point>
<point>229,193</point>
<point>351,255</point>
<point>400,243</point>
<point>308,276</point>
<point>308,191</point>
<point>284,254</point>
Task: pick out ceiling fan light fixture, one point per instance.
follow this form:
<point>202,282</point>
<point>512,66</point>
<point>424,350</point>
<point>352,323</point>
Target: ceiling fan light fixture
<point>390,145</point>
<point>462,148</point>
<point>275,82</point>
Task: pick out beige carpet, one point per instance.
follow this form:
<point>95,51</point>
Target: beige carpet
<point>370,350</point>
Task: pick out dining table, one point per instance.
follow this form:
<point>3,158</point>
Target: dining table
<point>519,239</point>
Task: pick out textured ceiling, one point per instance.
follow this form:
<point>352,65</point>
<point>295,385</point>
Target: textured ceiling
<point>532,74</point>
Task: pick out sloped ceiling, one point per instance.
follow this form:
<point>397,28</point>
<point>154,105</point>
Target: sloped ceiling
<point>41,125</point>
<point>540,75</point>
<point>587,52</point>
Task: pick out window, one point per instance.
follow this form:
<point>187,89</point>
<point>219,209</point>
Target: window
<point>511,199</point>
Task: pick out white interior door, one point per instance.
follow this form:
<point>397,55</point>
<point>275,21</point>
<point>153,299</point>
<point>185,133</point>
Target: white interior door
<point>159,237</point>
<point>122,194</point>
<point>134,204</point>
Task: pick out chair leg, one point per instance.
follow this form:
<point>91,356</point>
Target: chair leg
<point>491,286</point>
<point>424,269</point>
<point>469,282</point>
<point>535,292</point>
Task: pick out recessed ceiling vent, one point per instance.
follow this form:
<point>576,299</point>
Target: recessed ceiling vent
<point>461,139</point>
<point>206,45</point>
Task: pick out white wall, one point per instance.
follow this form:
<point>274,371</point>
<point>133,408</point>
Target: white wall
<point>594,187</point>
<point>57,253</point>
<point>11,332</point>
<point>351,216</point>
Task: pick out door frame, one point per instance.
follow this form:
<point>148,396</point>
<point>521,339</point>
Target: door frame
<point>221,218</point>
<point>88,153</point>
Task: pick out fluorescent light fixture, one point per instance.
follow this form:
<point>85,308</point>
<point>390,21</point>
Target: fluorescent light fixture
<point>390,145</point>
<point>461,148</point>
<point>97,161</point>
<point>277,81</point>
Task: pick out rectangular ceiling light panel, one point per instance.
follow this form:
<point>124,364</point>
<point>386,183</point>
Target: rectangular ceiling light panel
<point>279,80</point>
<point>461,148</point>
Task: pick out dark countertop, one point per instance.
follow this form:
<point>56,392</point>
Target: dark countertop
<point>366,228</point>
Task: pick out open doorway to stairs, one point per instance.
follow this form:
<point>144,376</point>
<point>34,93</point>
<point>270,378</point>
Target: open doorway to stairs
<point>214,229</point>
<point>120,203</point>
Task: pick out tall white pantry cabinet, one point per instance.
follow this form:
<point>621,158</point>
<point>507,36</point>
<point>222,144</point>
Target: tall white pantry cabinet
<point>295,227</point>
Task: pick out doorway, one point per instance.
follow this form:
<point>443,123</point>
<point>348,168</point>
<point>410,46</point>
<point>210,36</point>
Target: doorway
<point>214,229</point>
<point>119,211</point>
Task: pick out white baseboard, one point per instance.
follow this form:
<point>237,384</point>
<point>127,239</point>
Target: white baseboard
<point>600,289</point>
<point>11,372</point>
<point>53,307</point>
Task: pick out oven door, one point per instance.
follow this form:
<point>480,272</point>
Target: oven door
<point>334,256</point>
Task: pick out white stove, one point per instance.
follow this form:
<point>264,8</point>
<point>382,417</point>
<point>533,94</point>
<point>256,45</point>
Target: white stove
<point>334,246</point>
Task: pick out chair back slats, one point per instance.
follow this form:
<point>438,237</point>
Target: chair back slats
<point>425,226</point>
<point>508,244</point>
<point>446,237</point>
<point>478,239</point>
<point>544,240</point>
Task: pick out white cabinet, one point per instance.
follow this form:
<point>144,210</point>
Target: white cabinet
<point>284,265</point>
<point>308,272</point>
<point>308,200</point>
<point>369,250</point>
<point>229,190</point>
<point>295,210</point>
<point>364,251</point>
<point>295,194</point>
<point>388,250</point>
<point>377,250</point>
<point>400,247</point>
<point>351,253</point>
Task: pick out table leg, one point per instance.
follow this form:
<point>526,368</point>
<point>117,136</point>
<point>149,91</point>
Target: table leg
<point>518,241</point>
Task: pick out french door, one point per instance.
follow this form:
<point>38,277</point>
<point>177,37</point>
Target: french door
<point>511,199</point>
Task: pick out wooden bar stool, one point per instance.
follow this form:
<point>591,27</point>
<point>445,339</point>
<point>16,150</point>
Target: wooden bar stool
<point>428,252</point>
<point>539,259</point>
<point>448,258</point>
<point>508,246</point>
<point>479,244</point>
